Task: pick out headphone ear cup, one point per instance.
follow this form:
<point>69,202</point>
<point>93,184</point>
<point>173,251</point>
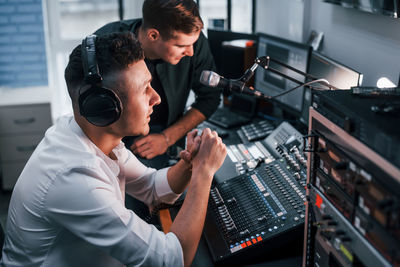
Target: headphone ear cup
<point>100,106</point>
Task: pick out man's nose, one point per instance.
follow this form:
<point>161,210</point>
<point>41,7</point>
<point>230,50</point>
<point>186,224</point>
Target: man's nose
<point>189,51</point>
<point>155,99</point>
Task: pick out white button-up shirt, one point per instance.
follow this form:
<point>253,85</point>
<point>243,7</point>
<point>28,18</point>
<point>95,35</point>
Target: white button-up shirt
<point>67,208</point>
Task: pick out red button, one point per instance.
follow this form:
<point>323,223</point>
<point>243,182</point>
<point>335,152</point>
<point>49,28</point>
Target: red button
<point>259,238</point>
<point>254,240</point>
<point>249,243</point>
<point>243,245</point>
<point>318,201</point>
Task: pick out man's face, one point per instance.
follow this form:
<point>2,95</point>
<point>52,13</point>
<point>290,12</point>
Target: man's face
<point>140,97</point>
<point>174,49</point>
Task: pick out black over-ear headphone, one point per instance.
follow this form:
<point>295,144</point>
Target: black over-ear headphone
<point>99,105</point>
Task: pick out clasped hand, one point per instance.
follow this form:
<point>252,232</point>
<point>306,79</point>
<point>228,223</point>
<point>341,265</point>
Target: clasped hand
<point>150,146</point>
<point>206,150</point>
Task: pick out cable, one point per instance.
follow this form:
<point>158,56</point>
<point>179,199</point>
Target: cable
<point>301,85</point>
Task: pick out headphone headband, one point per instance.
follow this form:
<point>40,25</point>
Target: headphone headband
<point>89,60</point>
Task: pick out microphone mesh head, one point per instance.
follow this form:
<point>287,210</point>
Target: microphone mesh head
<point>209,78</point>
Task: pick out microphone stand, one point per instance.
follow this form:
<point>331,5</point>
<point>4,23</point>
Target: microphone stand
<point>264,62</point>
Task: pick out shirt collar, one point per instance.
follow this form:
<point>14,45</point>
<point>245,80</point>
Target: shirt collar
<point>117,150</point>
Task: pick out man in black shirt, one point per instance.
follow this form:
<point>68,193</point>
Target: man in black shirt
<point>176,53</point>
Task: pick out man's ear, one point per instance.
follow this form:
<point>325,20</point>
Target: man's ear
<point>153,34</point>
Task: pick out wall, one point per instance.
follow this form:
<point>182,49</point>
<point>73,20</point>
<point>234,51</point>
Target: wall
<point>367,42</point>
<point>133,9</point>
<point>283,18</point>
<point>22,44</point>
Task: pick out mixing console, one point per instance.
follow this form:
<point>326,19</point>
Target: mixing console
<point>245,157</point>
<point>255,207</point>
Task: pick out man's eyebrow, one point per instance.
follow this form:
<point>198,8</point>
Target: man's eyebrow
<point>184,44</point>
<point>148,81</point>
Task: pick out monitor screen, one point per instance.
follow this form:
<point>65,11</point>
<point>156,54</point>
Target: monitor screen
<point>291,53</point>
<point>229,61</point>
<point>337,74</point>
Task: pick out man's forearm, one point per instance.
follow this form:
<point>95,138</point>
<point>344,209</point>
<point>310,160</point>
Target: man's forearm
<point>189,222</point>
<point>180,128</point>
<point>179,176</point>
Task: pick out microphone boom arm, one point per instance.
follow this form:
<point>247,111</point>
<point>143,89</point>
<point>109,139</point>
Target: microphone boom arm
<point>264,62</point>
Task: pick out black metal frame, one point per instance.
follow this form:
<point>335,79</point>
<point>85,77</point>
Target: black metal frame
<point>121,9</point>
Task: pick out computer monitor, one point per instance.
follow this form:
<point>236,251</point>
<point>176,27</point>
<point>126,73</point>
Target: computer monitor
<point>229,61</point>
<point>337,74</point>
<point>291,53</point>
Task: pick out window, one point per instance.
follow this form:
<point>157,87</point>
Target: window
<point>214,14</point>
<point>68,22</point>
<point>234,15</point>
<point>242,16</point>
<point>78,18</point>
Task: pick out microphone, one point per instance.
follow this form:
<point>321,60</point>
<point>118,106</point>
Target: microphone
<point>212,79</point>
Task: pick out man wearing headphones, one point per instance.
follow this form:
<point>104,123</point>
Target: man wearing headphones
<point>67,208</point>
<point>176,52</point>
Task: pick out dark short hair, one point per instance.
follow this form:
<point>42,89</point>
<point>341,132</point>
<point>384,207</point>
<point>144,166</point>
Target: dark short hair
<point>114,52</point>
<point>168,16</point>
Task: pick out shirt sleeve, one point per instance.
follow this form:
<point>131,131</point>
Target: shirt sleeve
<point>90,205</point>
<point>207,98</point>
<point>147,184</point>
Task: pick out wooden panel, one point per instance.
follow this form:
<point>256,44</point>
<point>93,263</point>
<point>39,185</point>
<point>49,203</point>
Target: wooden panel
<point>165,219</point>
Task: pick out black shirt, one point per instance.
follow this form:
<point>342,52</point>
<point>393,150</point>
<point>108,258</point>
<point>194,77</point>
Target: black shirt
<point>160,112</point>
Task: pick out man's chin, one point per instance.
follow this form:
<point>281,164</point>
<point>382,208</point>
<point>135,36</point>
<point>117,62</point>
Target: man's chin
<point>145,131</point>
<point>174,62</point>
